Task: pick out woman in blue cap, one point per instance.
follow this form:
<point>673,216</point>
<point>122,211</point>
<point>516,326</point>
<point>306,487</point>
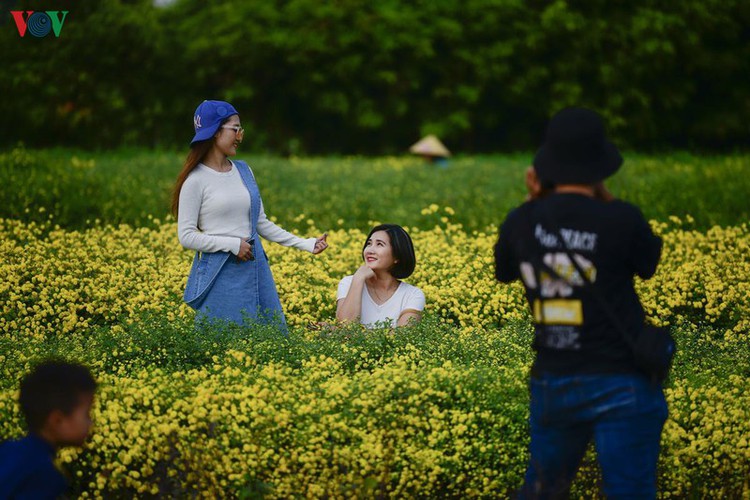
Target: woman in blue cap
<point>220,215</point>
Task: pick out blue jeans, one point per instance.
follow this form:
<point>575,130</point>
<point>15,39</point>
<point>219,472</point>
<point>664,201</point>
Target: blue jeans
<point>623,413</point>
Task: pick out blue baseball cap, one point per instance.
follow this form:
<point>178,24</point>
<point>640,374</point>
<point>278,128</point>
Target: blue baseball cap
<point>208,118</point>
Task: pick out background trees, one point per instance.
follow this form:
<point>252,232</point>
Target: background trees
<point>353,76</point>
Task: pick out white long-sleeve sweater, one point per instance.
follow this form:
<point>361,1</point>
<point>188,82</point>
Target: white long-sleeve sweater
<point>214,213</point>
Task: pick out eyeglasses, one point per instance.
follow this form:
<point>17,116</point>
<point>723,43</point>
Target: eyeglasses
<point>239,132</point>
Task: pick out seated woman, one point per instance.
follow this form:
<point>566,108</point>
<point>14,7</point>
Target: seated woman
<point>375,293</point>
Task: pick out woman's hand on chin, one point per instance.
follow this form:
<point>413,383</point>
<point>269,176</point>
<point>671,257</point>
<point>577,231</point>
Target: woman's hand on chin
<point>364,273</point>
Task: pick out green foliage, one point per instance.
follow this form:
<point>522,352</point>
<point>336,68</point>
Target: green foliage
<point>134,186</point>
<point>152,341</point>
<point>371,77</point>
<point>76,189</point>
<point>450,372</point>
<point>105,81</point>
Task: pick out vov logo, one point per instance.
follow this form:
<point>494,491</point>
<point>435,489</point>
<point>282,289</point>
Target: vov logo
<point>39,24</point>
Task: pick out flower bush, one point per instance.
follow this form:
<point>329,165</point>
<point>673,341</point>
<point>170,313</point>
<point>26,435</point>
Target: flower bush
<point>438,409</point>
<point>58,282</point>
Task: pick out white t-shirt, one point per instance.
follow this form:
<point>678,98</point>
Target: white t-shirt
<point>405,297</point>
<point>214,214</point>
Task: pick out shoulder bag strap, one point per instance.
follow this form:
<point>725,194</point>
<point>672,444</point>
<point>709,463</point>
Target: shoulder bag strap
<point>589,285</point>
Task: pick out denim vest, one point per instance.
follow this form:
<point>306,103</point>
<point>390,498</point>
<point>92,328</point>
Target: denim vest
<point>254,291</point>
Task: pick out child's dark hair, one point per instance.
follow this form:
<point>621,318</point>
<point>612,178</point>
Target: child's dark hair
<point>53,385</point>
<point>402,247</point>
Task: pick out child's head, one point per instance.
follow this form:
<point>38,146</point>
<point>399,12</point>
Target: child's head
<point>56,399</point>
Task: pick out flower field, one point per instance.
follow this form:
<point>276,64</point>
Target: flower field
<point>435,410</point>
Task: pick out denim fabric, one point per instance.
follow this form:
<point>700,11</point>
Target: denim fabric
<point>244,292</point>
<point>221,286</point>
<point>203,274</point>
<point>623,414</point>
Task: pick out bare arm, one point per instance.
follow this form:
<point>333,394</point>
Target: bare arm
<point>409,316</point>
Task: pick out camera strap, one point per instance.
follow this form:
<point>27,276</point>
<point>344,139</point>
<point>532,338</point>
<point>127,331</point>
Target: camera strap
<point>589,285</point>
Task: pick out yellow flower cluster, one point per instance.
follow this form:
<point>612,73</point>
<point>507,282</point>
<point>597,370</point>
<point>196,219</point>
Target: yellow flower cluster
<point>403,429</point>
<point>56,282</point>
<point>317,428</point>
<point>703,277</point>
<point>316,431</point>
<point>707,425</point>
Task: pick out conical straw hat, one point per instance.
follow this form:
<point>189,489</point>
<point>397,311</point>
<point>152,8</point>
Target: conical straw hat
<point>430,146</point>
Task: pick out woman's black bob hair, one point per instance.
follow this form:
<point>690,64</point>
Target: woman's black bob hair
<point>402,248</point>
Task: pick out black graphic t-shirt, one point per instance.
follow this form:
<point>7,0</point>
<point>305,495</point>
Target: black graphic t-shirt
<point>612,243</point>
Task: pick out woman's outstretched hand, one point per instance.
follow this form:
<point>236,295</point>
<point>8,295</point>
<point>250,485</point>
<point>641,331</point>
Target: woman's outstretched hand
<point>320,244</point>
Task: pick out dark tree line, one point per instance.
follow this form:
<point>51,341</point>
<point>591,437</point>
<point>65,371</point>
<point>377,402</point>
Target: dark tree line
<point>356,76</point>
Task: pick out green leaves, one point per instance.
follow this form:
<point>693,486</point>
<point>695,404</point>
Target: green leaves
<point>132,186</point>
<point>367,77</point>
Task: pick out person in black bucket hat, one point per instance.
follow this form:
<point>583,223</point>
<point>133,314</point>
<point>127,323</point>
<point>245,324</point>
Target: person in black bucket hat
<point>576,150</point>
<point>575,247</point>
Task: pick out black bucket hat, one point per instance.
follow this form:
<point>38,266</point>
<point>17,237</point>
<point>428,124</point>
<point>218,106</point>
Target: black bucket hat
<point>576,150</point>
